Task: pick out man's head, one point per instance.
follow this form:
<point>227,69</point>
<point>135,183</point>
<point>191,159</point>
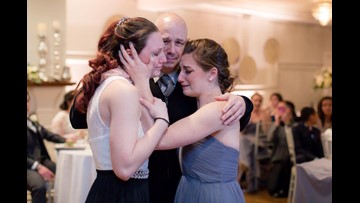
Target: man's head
<point>309,115</point>
<point>174,33</point>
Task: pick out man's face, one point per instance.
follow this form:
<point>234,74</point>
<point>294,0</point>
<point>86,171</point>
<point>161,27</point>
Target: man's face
<point>174,36</point>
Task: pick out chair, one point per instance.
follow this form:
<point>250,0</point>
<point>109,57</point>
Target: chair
<point>50,191</point>
<point>261,143</point>
<point>255,156</point>
<point>291,148</point>
<point>28,198</point>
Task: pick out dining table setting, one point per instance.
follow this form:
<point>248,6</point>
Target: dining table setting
<point>314,181</point>
<point>75,172</point>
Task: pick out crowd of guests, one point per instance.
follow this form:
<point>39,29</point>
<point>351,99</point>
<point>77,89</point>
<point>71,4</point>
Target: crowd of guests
<point>308,132</point>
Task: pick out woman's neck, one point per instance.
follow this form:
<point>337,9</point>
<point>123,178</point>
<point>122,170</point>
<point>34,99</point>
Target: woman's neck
<point>327,122</point>
<point>115,72</point>
<point>208,96</point>
<point>327,119</point>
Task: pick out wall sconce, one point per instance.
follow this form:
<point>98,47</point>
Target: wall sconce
<point>322,11</point>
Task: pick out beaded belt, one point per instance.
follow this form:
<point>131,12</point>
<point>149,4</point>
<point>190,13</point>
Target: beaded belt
<point>141,174</point>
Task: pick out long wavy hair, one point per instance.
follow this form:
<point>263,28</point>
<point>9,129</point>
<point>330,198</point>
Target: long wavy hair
<point>320,112</point>
<point>135,30</point>
<point>208,53</point>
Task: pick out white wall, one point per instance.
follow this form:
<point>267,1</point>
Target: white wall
<point>303,47</point>
<point>45,11</point>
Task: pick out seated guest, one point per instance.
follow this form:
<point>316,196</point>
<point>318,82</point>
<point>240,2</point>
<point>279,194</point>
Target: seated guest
<point>324,111</point>
<point>40,168</point>
<point>60,124</point>
<point>280,171</point>
<point>307,138</point>
<point>247,143</point>
<point>274,98</point>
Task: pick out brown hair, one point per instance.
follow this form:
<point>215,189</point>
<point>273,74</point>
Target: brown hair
<point>68,97</point>
<point>320,111</point>
<point>208,54</point>
<point>135,30</point>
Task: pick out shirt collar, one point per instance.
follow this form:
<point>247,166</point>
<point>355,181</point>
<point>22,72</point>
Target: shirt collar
<point>173,75</point>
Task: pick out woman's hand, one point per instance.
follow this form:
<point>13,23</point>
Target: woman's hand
<point>157,109</point>
<point>137,70</point>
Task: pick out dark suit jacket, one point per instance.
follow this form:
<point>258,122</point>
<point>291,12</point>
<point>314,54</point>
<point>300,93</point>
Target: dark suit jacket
<point>164,165</point>
<point>308,145</point>
<point>35,143</point>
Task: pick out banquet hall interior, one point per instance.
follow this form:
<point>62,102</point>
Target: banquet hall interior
<point>282,46</point>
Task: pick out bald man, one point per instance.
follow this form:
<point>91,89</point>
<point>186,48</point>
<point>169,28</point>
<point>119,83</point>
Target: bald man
<point>164,165</point>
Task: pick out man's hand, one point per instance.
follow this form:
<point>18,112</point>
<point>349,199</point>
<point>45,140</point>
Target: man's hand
<point>45,172</point>
<point>233,110</point>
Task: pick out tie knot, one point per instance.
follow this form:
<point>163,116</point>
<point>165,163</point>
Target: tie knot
<point>166,79</point>
<point>168,84</point>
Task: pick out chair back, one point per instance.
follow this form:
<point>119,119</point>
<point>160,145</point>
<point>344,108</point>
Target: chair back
<point>291,148</point>
<point>262,141</point>
<point>262,149</point>
<point>290,143</point>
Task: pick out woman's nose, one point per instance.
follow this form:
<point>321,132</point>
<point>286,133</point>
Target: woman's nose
<point>181,77</point>
<point>162,58</point>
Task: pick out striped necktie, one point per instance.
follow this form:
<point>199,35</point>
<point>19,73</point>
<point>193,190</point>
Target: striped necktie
<point>168,85</point>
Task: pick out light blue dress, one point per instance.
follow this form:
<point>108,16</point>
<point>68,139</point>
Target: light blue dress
<point>209,173</point>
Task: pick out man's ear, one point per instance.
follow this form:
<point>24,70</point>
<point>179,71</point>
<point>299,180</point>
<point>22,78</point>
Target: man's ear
<point>213,73</point>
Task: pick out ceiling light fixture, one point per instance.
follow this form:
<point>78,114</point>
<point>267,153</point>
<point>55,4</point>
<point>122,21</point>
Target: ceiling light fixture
<point>323,11</point>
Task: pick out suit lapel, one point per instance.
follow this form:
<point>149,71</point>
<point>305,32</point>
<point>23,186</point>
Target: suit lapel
<point>155,89</point>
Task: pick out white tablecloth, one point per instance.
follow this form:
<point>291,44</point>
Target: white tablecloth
<point>314,181</point>
<point>75,173</point>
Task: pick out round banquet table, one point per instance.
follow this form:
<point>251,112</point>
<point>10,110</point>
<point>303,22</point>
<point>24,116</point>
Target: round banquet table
<point>75,173</point>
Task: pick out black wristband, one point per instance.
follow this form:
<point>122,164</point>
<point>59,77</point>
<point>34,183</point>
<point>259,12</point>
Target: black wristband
<point>162,119</point>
